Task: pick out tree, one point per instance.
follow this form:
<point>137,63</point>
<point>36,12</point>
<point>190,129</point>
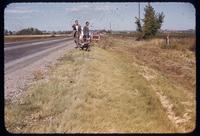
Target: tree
<point>152,22</point>
<point>5,32</point>
<point>29,31</point>
<point>10,32</point>
<point>139,27</point>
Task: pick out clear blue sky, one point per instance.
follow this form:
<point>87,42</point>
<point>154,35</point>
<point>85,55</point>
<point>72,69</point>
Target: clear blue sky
<point>61,16</point>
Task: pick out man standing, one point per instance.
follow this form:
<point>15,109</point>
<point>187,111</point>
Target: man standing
<point>86,30</point>
<point>77,31</point>
<point>86,36</point>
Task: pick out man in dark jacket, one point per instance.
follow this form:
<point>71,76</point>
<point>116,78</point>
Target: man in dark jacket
<point>86,30</point>
<point>86,37</point>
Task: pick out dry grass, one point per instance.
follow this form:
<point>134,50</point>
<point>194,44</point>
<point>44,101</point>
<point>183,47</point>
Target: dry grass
<point>176,69</point>
<point>108,90</point>
<point>180,44</point>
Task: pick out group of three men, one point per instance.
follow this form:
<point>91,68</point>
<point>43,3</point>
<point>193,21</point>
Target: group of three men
<point>78,30</point>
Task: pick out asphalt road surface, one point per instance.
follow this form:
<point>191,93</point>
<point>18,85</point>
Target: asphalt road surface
<point>20,54</point>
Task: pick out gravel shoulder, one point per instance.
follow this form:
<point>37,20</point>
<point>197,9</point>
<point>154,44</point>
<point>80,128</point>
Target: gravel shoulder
<point>15,82</point>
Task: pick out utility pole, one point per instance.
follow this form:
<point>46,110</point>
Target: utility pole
<point>110,27</point>
<point>139,10</point>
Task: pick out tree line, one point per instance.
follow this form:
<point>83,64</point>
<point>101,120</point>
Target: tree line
<point>33,31</point>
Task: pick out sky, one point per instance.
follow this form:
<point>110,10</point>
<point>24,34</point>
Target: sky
<point>120,16</point>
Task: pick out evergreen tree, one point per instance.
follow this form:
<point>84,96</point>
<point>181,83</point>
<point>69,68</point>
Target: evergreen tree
<point>152,22</point>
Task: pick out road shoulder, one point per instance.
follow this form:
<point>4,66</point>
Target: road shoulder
<point>17,81</point>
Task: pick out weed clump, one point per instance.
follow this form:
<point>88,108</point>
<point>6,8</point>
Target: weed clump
<point>38,74</point>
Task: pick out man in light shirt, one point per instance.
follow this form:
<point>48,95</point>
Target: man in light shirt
<point>77,32</point>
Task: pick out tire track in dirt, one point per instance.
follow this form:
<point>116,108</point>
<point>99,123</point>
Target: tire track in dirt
<point>168,106</point>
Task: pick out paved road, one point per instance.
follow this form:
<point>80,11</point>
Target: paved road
<point>19,54</point>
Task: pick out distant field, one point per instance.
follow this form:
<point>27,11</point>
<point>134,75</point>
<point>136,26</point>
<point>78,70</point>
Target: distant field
<point>161,35</point>
<point>15,38</point>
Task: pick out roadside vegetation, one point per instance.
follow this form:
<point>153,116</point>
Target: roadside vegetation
<point>29,31</point>
<point>121,85</point>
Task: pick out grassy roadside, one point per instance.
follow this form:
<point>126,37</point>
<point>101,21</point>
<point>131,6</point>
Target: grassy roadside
<point>106,90</point>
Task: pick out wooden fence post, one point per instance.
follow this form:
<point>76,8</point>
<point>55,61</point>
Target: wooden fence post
<point>167,41</point>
